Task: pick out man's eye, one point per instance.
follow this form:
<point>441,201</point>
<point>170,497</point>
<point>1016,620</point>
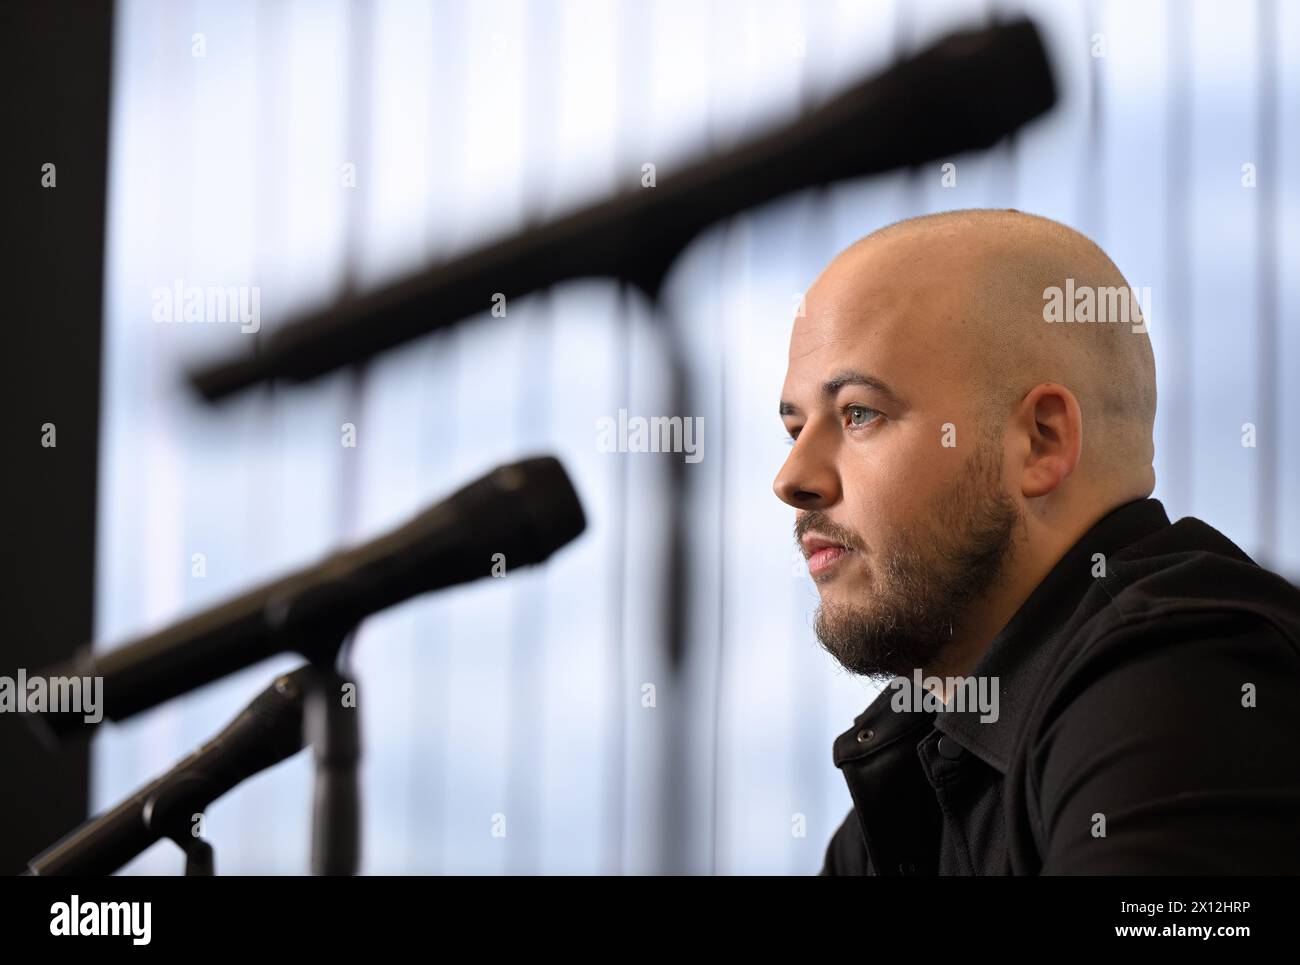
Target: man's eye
<point>860,415</point>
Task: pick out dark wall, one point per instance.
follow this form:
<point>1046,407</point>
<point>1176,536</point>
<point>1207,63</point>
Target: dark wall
<point>54,59</point>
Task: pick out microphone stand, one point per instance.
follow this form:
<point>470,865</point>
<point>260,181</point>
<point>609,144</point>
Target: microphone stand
<point>327,720</point>
<point>169,811</point>
<point>269,730</point>
<point>332,729</point>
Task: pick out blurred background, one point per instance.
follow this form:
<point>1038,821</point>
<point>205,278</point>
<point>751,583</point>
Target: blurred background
<point>229,124</point>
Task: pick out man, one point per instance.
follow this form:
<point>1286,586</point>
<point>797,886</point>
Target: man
<point>1100,691</point>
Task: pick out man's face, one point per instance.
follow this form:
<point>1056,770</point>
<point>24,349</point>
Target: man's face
<point>897,466</point>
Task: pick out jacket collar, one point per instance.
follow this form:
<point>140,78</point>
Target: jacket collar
<point>1019,657</point>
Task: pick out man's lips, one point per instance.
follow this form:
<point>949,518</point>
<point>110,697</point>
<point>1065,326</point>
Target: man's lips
<point>822,553</point>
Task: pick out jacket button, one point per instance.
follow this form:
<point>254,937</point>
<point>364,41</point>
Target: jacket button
<point>949,748</point>
<point>865,735</point>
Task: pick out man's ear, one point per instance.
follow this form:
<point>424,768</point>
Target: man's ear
<point>1053,423</point>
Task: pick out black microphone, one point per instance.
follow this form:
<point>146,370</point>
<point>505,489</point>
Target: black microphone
<point>268,730</point>
<point>964,93</point>
<point>523,511</point>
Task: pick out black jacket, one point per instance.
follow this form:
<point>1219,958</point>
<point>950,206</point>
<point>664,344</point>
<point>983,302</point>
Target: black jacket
<point>1147,724</point>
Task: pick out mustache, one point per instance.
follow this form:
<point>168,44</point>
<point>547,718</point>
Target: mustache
<point>816,522</point>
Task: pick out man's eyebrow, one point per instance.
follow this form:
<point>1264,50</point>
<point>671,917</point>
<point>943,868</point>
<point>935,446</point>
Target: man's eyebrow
<point>831,388</point>
<point>851,377</point>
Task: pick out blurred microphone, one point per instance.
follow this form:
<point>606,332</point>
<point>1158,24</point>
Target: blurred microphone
<point>964,93</point>
<point>269,730</point>
<point>524,511</point>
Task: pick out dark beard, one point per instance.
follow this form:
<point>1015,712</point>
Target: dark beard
<point>923,585</point>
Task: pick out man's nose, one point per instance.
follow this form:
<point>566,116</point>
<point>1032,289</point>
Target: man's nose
<point>808,479</point>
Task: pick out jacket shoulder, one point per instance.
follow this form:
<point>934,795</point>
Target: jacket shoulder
<point>846,854</point>
<point>1191,566</point>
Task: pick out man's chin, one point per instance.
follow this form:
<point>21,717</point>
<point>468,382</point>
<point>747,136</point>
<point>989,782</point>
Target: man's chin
<point>868,642</point>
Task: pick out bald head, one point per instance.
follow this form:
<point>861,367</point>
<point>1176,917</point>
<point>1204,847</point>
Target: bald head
<point>967,393</point>
<point>995,267</point>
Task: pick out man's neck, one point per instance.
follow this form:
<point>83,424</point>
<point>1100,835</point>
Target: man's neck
<point>990,614</point>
